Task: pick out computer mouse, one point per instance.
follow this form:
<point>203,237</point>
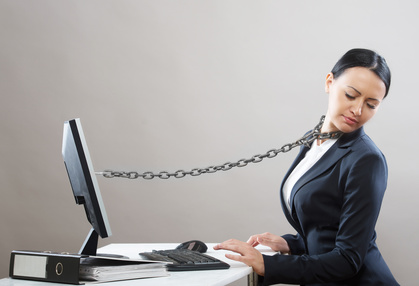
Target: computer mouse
<point>195,245</point>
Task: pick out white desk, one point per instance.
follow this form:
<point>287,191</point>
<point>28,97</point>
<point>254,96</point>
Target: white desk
<point>236,271</point>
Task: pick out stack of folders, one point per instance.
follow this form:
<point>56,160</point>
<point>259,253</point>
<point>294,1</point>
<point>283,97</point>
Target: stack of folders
<point>105,270</point>
<point>76,269</point>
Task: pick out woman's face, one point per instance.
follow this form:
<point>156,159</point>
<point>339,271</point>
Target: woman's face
<point>354,98</point>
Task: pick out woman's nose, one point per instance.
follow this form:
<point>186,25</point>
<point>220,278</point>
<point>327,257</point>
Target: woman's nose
<point>356,108</point>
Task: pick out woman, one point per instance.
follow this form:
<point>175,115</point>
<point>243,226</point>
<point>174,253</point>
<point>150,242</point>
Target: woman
<point>333,191</point>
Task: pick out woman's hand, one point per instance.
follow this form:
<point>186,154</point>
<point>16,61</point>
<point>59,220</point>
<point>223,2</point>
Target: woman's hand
<point>248,254</point>
<point>275,242</point>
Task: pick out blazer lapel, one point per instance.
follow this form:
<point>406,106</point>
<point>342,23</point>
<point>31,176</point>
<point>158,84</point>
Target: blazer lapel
<point>291,219</point>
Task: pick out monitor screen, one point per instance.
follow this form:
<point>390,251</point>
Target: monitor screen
<point>84,183</point>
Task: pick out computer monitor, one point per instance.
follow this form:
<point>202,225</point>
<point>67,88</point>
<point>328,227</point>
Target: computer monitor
<point>84,184</point>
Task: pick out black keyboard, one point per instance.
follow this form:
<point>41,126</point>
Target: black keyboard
<point>185,260</point>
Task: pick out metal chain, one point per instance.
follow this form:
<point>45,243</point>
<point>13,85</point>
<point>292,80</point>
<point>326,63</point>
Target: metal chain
<point>305,140</point>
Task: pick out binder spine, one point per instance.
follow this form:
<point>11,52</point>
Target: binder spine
<point>44,266</point>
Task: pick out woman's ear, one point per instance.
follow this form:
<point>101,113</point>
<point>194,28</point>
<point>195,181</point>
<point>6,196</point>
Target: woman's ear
<point>329,81</point>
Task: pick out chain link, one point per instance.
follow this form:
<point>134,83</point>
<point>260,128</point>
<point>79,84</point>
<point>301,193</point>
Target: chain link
<point>305,140</point>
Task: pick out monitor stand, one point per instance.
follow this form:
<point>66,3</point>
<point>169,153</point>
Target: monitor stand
<point>89,247</point>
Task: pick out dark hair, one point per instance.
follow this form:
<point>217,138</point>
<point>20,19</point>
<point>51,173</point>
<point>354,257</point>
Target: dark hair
<point>367,59</point>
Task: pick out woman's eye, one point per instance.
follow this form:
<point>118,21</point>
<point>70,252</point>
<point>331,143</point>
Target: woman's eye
<point>349,96</point>
<point>372,106</point>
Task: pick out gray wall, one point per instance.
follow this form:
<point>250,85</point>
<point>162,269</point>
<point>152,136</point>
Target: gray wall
<point>168,85</point>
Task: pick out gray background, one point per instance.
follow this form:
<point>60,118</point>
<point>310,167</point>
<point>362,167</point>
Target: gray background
<point>168,85</point>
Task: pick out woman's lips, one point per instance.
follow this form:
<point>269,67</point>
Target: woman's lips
<point>350,120</point>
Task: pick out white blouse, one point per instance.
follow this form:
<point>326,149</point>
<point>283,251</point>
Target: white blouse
<point>311,157</point>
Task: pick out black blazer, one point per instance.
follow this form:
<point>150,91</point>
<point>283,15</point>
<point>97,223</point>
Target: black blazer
<point>334,209</point>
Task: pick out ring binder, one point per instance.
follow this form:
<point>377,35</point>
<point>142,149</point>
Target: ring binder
<point>45,266</point>
<point>77,269</point>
